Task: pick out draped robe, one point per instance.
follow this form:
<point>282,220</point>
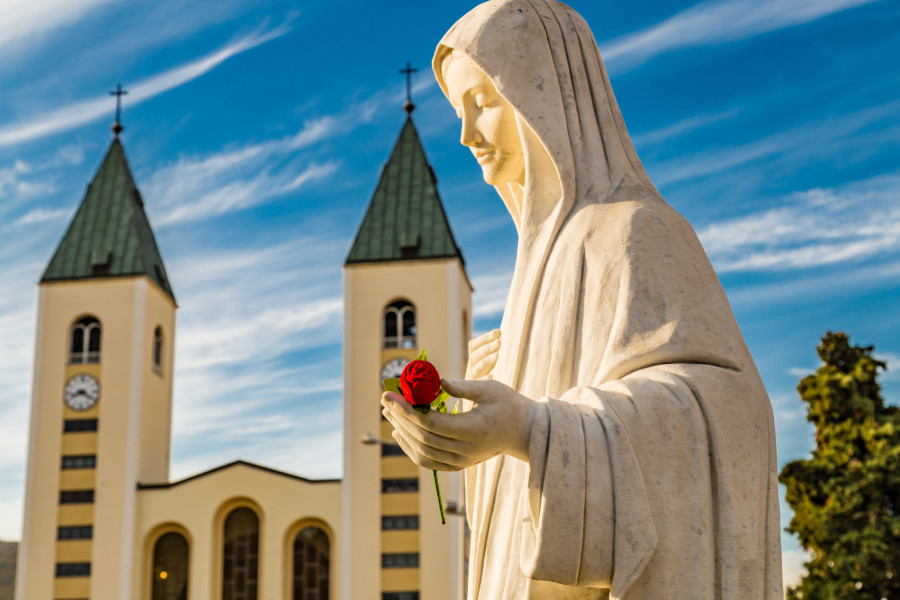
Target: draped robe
<point>651,470</point>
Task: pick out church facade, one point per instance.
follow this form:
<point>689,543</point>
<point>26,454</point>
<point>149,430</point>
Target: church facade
<point>103,520</point>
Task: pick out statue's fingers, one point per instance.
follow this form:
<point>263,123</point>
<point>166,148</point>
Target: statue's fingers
<point>412,451</point>
<point>391,397</point>
<point>426,450</point>
<point>466,388</point>
<point>482,339</point>
<point>387,401</point>
<point>421,430</point>
<point>483,366</point>
<point>440,424</point>
<point>485,351</point>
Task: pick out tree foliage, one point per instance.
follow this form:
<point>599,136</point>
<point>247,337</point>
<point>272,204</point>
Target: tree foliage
<point>846,497</point>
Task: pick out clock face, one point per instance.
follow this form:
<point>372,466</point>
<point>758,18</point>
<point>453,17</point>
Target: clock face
<point>393,368</point>
<point>81,392</point>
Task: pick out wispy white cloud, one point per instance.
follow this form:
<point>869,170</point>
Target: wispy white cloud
<point>235,178</point>
<point>39,215</point>
<point>835,283</point>
<point>260,412</point>
<point>893,365</point>
<point>190,71</point>
<point>19,181</point>
<point>306,443</point>
<point>74,115</point>
<point>491,289</point>
<point>162,23</point>
<point>800,372</point>
<point>26,21</point>
<point>254,338</point>
<point>792,568</point>
<point>891,359</point>
<point>244,311</point>
<point>11,528</point>
<point>681,128</point>
<point>820,139</point>
<point>713,22</point>
<point>810,229</point>
<point>232,190</point>
<point>23,182</point>
<point>789,410</point>
<point>17,324</point>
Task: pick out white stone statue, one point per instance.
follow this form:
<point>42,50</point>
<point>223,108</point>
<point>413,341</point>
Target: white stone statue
<point>619,441</point>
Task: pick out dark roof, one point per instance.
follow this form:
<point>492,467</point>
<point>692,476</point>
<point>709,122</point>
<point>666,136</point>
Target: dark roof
<point>157,486</point>
<point>405,219</point>
<point>109,236</point>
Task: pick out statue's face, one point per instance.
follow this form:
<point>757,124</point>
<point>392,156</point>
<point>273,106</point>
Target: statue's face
<point>488,122</point>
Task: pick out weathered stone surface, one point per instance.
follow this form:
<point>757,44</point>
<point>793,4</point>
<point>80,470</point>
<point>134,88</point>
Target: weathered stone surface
<point>619,441</point>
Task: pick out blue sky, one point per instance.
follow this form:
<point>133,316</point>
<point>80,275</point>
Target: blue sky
<point>256,132</point>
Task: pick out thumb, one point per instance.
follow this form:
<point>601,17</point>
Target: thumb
<point>463,388</point>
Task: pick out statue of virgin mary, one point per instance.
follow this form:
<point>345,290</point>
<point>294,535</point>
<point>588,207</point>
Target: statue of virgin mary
<point>619,441</point>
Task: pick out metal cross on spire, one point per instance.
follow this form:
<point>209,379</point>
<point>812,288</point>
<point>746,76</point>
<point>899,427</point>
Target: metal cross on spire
<point>408,106</point>
<point>118,93</point>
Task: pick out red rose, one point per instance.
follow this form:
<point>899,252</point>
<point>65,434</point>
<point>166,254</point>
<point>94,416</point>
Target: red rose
<point>420,383</point>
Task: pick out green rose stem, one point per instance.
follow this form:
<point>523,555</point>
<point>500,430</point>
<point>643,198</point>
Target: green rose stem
<point>392,384</point>
<point>437,488</point>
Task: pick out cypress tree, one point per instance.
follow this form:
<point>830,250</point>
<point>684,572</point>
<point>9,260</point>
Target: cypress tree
<point>846,496</point>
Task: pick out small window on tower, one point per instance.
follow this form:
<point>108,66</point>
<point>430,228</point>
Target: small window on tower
<point>84,346</point>
<point>157,349</point>
<point>400,325</point>
<point>100,263</point>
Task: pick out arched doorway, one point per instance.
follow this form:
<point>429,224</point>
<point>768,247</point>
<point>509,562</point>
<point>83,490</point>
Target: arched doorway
<point>170,567</point>
<point>240,555</point>
<point>312,562</point>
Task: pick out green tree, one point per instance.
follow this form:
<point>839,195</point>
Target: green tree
<point>846,497</point>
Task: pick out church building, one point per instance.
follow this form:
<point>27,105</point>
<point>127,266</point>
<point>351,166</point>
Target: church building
<point>103,521</point>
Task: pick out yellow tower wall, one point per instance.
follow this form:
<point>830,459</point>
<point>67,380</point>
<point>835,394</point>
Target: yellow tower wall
<point>441,293</point>
<point>127,308</point>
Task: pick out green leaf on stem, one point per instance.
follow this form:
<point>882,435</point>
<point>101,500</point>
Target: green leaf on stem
<point>392,384</point>
<point>440,403</point>
<point>423,356</point>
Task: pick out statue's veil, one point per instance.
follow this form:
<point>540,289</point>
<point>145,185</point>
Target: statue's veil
<point>541,56</point>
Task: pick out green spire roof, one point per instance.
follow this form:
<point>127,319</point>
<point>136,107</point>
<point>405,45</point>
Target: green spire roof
<point>405,219</point>
<point>109,235</point>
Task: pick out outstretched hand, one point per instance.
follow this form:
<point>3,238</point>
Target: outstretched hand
<point>483,353</point>
<point>498,423</point>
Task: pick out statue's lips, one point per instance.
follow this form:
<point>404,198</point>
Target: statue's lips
<point>483,157</point>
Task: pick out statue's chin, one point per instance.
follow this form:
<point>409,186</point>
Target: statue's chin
<point>496,179</point>
<point>503,169</point>
<point>493,176</point>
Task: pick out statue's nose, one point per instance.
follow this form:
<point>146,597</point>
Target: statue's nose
<point>469,136</point>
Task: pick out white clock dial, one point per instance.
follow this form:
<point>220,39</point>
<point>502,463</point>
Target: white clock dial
<point>393,368</point>
<point>81,392</point>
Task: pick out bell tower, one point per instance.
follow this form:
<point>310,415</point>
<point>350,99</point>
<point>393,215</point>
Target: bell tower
<point>405,290</point>
<point>101,394</point>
